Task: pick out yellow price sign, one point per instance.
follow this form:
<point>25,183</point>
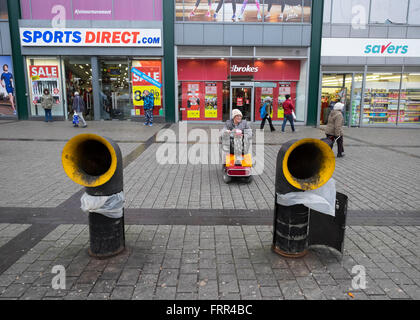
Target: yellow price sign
<point>35,78</point>
<point>193,114</point>
<point>138,93</point>
<point>211,113</point>
<point>280,113</point>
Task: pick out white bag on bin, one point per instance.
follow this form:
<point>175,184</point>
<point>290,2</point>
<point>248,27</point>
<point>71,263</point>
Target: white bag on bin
<point>321,199</point>
<point>109,206</point>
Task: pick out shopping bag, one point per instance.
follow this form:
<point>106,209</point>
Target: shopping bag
<point>294,116</point>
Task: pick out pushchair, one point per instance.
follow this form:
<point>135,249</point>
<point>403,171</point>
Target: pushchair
<point>236,156</point>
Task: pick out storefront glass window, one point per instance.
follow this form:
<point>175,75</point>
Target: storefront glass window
<point>410,99</point>
<point>389,11</point>
<point>146,75</point>
<point>44,73</point>
<point>381,98</point>
<point>272,11</point>
<point>4,15</point>
<point>78,78</point>
<point>343,11</point>
<point>335,88</point>
<point>115,88</point>
<point>414,12</point>
<point>356,100</point>
<point>209,89</point>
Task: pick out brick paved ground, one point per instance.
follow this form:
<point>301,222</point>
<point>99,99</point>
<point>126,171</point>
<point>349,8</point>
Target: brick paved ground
<point>380,174</point>
<point>217,262</point>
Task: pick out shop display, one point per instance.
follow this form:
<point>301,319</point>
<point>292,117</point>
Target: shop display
<point>211,100</point>
<point>44,77</point>
<point>411,107</point>
<point>147,75</point>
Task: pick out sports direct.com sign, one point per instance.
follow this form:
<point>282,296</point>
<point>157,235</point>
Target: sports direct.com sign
<point>84,37</point>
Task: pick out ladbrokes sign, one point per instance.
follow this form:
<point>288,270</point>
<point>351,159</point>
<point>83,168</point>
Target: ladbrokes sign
<point>345,47</point>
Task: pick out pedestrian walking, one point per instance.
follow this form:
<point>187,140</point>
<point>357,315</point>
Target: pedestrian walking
<point>334,129</point>
<point>149,102</point>
<point>265,113</point>
<point>47,102</point>
<point>289,110</point>
<point>79,108</point>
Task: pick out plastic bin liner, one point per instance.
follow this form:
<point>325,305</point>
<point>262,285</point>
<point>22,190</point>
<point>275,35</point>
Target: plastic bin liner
<point>321,199</point>
<point>109,206</point>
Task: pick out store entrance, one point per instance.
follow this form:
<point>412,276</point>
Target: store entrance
<point>336,88</point>
<point>78,73</point>
<point>242,99</point>
<point>115,89</point>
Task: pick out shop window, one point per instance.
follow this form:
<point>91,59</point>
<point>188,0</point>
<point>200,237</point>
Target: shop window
<point>4,15</point>
<point>327,11</point>
<point>7,88</point>
<point>409,112</point>
<point>381,98</point>
<point>335,88</point>
<point>146,76</point>
<point>78,78</point>
<point>44,73</point>
<point>414,12</point>
<point>271,11</point>
<point>343,11</point>
<point>389,11</point>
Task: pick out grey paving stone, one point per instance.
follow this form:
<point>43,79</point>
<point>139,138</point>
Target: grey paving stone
<point>128,276</point>
<point>228,283</point>
<point>168,277</point>
<point>122,293</point>
<point>34,293</point>
<point>391,289</point>
<point>290,290</point>
<point>165,293</point>
<point>14,291</point>
<point>187,283</point>
<point>208,289</point>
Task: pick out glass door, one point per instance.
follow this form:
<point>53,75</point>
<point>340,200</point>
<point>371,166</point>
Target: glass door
<point>242,99</point>
<point>115,88</point>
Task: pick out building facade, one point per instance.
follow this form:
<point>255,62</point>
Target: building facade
<point>201,59</point>
<point>108,51</point>
<point>371,61</point>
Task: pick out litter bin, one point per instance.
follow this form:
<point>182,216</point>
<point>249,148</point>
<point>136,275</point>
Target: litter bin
<point>302,165</point>
<point>96,163</point>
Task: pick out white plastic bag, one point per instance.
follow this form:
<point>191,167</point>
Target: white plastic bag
<point>294,116</point>
<point>109,206</point>
<point>321,199</point>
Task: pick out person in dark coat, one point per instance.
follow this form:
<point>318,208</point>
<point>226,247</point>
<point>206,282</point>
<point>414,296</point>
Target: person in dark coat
<point>79,107</point>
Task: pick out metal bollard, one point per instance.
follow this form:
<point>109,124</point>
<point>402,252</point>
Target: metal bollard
<point>301,165</point>
<point>96,163</point>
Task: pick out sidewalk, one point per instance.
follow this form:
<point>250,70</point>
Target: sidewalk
<point>190,236</point>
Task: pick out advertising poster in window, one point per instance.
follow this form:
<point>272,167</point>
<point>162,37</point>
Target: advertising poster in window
<point>147,76</point>
<point>211,100</point>
<point>284,88</point>
<point>44,77</point>
<point>274,11</point>
<point>7,88</point>
<point>193,100</point>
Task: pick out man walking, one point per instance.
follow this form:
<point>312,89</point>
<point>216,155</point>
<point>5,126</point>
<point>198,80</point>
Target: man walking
<point>289,109</point>
<point>79,108</point>
<point>149,103</point>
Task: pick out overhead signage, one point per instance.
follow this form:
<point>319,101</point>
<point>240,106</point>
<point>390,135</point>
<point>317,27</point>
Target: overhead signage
<point>355,47</point>
<point>86,37</point>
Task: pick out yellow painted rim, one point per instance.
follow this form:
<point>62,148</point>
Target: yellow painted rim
<point>326,170</point>
<point>69,160</point>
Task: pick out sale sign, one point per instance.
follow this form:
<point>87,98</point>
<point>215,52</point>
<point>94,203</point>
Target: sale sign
<point>147,75</point>
<point>43,72</point>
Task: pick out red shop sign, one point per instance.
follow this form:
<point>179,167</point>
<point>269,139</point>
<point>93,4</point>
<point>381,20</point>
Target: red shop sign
<point>43,71</point>
<point>240,102</point>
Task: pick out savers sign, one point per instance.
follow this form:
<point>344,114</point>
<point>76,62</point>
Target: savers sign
<point>86,37</point>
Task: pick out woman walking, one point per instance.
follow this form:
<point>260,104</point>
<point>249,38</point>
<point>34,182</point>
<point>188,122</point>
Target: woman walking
<point>47,102</point>
<point>197,3</point>
<point>334,129</point>
<point>257,2</point>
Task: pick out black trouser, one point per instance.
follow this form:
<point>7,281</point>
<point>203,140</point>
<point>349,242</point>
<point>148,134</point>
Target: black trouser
<point>219,5</point>
<point>267,117</point>
<point>270,4</point>
<point>340,142</point>
<point>198,2</point>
